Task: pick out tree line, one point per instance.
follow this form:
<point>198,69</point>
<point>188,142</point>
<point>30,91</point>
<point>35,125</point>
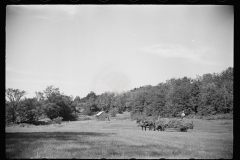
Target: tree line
<point>208,94</point>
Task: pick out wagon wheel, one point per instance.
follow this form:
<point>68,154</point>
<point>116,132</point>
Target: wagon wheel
<point>183,129</point>
<point>162,128</point>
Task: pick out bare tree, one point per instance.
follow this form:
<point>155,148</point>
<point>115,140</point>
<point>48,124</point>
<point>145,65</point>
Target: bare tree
<point>14,96</point>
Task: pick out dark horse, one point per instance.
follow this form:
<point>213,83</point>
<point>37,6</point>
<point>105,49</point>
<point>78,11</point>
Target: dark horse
<point>146,124</point>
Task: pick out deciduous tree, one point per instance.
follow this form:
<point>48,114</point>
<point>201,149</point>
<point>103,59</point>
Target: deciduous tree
<point>14,96</point>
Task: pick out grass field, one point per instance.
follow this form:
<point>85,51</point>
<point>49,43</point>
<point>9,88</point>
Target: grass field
<point>120,139</point>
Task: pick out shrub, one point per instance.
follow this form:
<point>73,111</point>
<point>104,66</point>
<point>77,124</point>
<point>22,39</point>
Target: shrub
<point>57,120</point>
<point>113,112</point>
<point>51,110</point>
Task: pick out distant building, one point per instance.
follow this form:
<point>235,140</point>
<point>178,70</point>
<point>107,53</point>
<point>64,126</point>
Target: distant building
<point>102,116</point>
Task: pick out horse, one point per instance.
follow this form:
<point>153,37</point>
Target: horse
<point>143,124</point>
<point>138,121</point>
<point>146,124</point>
<point>151,125</point>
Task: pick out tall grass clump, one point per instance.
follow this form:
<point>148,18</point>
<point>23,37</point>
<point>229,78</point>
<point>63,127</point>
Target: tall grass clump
<point>57,120</point>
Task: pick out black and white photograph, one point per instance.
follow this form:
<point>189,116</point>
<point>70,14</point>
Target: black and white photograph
<point>119,81</point>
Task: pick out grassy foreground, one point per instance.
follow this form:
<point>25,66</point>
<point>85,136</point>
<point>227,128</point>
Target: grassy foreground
<point>120,139</point>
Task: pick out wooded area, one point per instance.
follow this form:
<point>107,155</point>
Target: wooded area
<point>208,94</point>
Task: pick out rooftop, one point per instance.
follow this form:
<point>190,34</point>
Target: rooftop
<point>99,113</point>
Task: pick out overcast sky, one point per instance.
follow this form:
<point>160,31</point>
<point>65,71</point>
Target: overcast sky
<point>83,48</point>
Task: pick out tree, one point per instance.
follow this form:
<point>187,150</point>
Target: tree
<point>105,101</point>
<point>77,103</point>
<point>195,96</point>
<point>77,99</point>
<point>89,104</point>
<point>30,109</point>
<point>178,96</point>
<point>52,110</point>
<point>51,93</point>
<point>158,103</point>
<point>39,96</point>
<point>113,112</point>
<point>120,102</point>
<point>14,96</point>
<point>59,104</point>
<point>227,75</point>
<point>67,109</point>
<point>138,102</point>
<point>208,100</point>
<point>10,112</point>
<point>91,107</point>
<point>91,95</point>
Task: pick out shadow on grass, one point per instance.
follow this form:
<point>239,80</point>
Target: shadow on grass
<point>87,145</point>
<point>18,142</point>
<point>79,144</point>
<point>36,123</point>
<point>59,136</point>
<point>143,150</point>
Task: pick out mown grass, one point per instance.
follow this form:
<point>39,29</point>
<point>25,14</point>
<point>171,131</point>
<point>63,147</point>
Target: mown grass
<point>120,139</point>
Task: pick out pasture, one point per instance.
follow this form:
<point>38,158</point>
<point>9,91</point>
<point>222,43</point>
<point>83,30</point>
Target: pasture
<point>210,139</point>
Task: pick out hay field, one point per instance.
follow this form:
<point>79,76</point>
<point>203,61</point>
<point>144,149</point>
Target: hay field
<point>120,139</point>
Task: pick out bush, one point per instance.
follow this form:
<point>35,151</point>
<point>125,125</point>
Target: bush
<point>57,120</point>
<point>73,116</point>
<point>113,112</point>
<point>51,110</point>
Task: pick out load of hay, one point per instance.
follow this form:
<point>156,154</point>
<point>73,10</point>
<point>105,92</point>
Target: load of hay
<point>162,123</point>
<point>181,125</point>
<point>188,123</point>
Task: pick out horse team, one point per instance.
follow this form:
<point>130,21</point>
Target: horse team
<point>181,125</point>
<point>146,124</point>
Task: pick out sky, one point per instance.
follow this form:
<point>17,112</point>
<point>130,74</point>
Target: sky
<point>113,48</point>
